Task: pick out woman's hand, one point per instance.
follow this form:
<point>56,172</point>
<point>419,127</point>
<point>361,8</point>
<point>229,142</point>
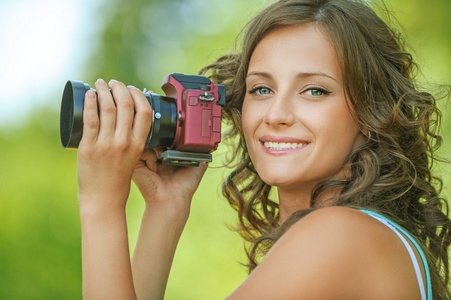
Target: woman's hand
<point>166,187</point>
<point>112,143</point>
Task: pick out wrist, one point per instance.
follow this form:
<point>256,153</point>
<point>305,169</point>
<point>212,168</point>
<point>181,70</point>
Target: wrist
<point>173,211</point>
<point>103,197</point>
<point>92,207</point>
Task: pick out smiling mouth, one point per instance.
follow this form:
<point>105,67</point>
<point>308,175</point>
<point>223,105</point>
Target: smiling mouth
<point>283,146</point>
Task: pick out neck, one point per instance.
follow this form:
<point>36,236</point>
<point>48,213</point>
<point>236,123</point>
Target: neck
<point>291,201</point>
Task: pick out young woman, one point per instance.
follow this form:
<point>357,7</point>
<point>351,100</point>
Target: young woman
<point>324,103</point>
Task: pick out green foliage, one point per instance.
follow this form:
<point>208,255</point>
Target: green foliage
<point>40,252</point>
<point>142,41</point>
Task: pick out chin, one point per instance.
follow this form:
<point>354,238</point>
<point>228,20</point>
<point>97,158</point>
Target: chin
<point>274,179</point>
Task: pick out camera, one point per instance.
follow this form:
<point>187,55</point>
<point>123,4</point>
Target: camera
<point>186,121</point>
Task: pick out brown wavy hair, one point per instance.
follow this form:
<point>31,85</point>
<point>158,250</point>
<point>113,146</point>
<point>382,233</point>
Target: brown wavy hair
<point>391,171</point>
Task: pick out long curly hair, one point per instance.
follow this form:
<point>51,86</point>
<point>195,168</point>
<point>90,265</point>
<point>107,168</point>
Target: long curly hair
<point>390,171</point>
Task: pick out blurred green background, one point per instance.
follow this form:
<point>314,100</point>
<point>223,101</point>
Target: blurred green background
<point>137,42</point>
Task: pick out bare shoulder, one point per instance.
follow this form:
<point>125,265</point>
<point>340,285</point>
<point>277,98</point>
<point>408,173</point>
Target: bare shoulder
<point>334,253</point>
<point>331,217</point>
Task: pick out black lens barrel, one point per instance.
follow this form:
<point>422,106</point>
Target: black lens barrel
<point>164,121</point>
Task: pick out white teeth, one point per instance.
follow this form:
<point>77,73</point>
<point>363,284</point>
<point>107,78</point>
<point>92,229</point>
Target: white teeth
<point>282,146</point>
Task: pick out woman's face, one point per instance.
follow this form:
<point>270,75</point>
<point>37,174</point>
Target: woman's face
<point>296,120</point>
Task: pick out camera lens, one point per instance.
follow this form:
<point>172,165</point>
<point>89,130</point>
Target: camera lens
<point>71,117</point>
<point>164,121</point>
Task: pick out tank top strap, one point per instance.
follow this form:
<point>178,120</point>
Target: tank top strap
<point>425,295</point>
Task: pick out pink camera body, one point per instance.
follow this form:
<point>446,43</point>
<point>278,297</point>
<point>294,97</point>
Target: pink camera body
<point>198,113</point>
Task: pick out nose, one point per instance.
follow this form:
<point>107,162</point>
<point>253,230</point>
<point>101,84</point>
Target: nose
<point>280,112</point>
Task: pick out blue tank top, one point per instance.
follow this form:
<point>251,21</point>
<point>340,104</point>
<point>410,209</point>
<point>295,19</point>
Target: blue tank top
<point>425,295</point>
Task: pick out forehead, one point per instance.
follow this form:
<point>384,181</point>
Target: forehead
<point>294,49</point>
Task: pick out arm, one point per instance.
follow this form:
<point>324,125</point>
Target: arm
<point>105,256</point>
<point>108,152</point>
<point>168,192</point>
<point>154,252</point>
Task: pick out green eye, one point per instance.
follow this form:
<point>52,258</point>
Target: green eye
<point>260,90</point>
<point>316,92</point>
<point>264,91</point>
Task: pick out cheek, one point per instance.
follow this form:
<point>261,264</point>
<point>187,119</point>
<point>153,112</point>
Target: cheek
<point>248,120</point>
<point>338,133</point>
<point>341,120</point>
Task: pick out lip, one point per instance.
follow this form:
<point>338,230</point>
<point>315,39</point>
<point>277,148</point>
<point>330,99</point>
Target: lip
<point>281,139</point>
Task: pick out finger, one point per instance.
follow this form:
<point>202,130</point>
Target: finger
<point>143,116</point>
<point>159,150</point>
<point>107,109</point>
<point>125,108</point>
<point>144,175</point>
<point>147,161</point>
<point>90,117</point>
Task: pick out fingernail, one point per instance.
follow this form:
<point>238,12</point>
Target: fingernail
<point>112,80</point>
<point>101,81</point>
<point>91,95</point>
<point>131,87</point>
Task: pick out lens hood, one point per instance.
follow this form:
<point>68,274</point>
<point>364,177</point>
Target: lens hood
<point>71,117</point>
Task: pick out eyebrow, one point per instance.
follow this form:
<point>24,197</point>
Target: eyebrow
<point>300,75</point>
